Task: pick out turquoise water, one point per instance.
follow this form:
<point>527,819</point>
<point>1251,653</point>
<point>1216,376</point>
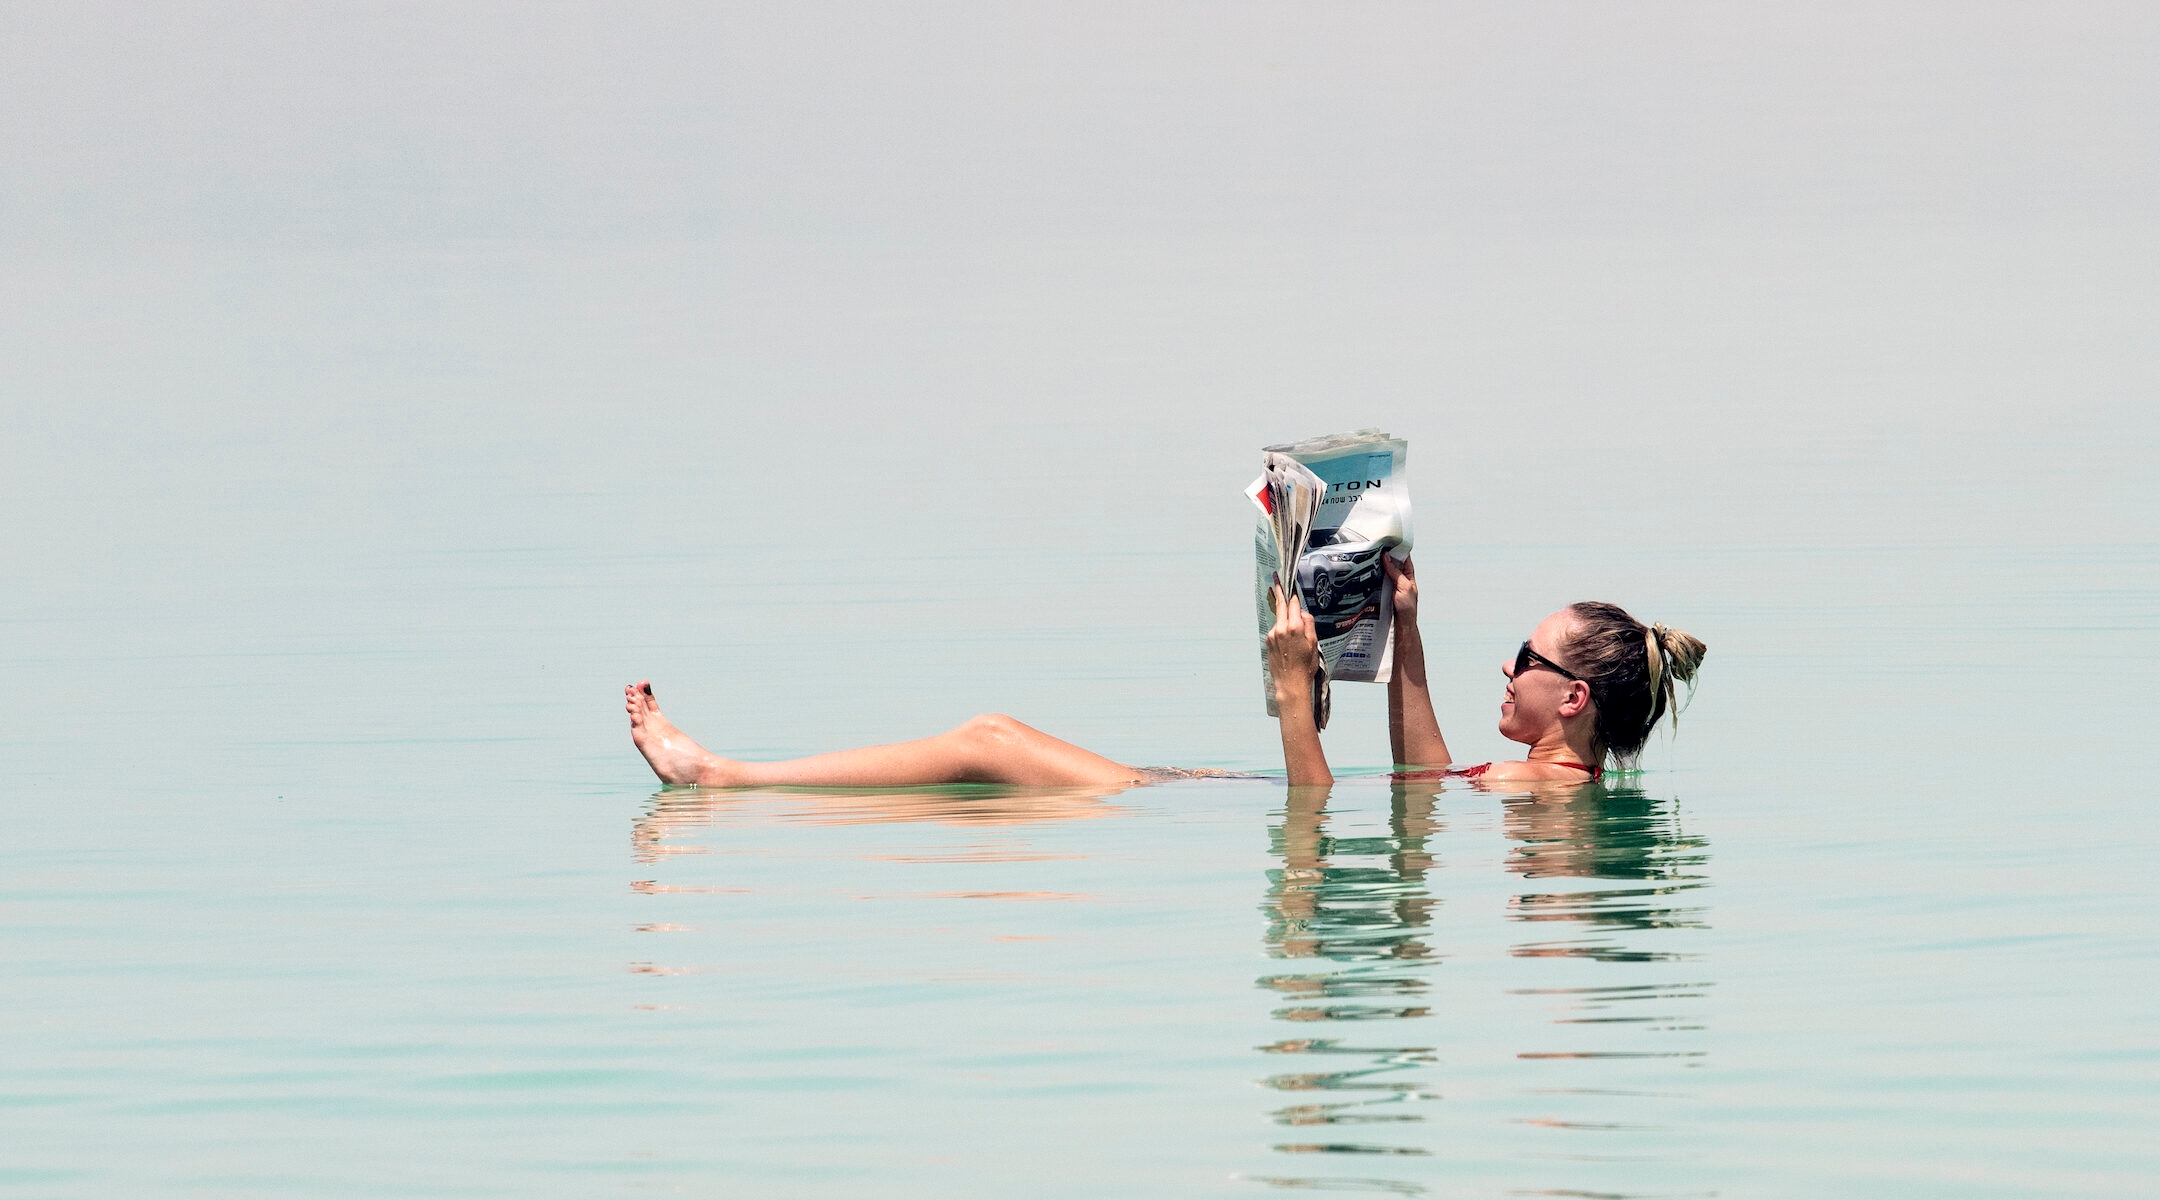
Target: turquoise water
<point>386,387</point>
<point>1865,927</point>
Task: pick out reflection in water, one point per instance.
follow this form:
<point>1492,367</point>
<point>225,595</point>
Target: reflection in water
<point>1646,899</point>
<point>992,821</point>
<point>684,812</point>
<point>1369,918</point>
<point>1362,909</point>
<point>1609,897</point>
<point>1603,833</point>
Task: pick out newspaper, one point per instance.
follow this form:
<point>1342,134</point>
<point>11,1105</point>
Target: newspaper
<point>1332,506</point>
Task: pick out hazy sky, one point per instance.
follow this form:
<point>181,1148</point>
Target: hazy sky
<point>1732,273</point>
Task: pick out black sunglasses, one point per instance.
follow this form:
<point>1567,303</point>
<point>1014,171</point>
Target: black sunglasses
<point>1527,658</point>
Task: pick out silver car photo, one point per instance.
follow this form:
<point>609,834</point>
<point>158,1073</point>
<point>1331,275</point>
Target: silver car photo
<point>1340,581</point>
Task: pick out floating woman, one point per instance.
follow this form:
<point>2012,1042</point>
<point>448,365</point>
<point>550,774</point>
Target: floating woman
<point>1587,686</point>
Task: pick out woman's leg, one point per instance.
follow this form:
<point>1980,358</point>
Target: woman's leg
<point>986,749</point>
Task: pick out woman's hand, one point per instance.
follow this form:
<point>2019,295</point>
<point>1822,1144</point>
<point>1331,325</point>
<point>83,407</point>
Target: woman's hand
<point>1404,577</point>
<point>1293,656</point>
<point>1293,650</point>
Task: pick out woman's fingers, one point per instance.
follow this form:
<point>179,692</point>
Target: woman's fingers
<point>1288,610</point>
<point>1283,601</point>
<point>1294,640</point>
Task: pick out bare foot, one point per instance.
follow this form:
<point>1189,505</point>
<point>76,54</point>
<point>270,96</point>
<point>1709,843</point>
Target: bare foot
<point>672,755</point>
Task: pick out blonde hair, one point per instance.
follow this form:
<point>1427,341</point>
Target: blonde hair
<point>1633,671</point>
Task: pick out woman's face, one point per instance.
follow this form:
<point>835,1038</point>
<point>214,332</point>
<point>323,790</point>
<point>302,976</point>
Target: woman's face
<point>1531,706</point>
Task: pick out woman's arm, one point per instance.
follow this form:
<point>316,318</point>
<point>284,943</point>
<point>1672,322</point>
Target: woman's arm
<point>1413,731</point>
<point>1293,650</point>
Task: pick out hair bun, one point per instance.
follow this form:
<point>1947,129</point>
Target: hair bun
<point>1683,653</point>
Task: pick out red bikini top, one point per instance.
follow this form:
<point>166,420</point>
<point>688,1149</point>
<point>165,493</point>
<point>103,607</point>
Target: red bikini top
<point>1596,773</point>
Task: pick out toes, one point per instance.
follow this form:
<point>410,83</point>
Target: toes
<point>638,701</point>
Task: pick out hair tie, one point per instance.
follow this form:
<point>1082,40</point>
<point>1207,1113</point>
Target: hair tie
<point>1654,643</point>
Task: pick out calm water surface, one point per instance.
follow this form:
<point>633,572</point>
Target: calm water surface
<point>1866,927</point>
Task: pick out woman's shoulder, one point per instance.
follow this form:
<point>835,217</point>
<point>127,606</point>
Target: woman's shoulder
<point>1523,771</point>
<point>1569,772</point>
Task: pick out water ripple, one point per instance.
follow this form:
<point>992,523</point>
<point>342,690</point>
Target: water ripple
<point>1616,886</point>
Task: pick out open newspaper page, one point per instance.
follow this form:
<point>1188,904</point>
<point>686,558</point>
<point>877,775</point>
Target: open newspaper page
<point>1362,512</point>
<point>1288,496</point>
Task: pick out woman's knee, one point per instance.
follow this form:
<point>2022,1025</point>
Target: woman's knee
<point>992,727</point>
